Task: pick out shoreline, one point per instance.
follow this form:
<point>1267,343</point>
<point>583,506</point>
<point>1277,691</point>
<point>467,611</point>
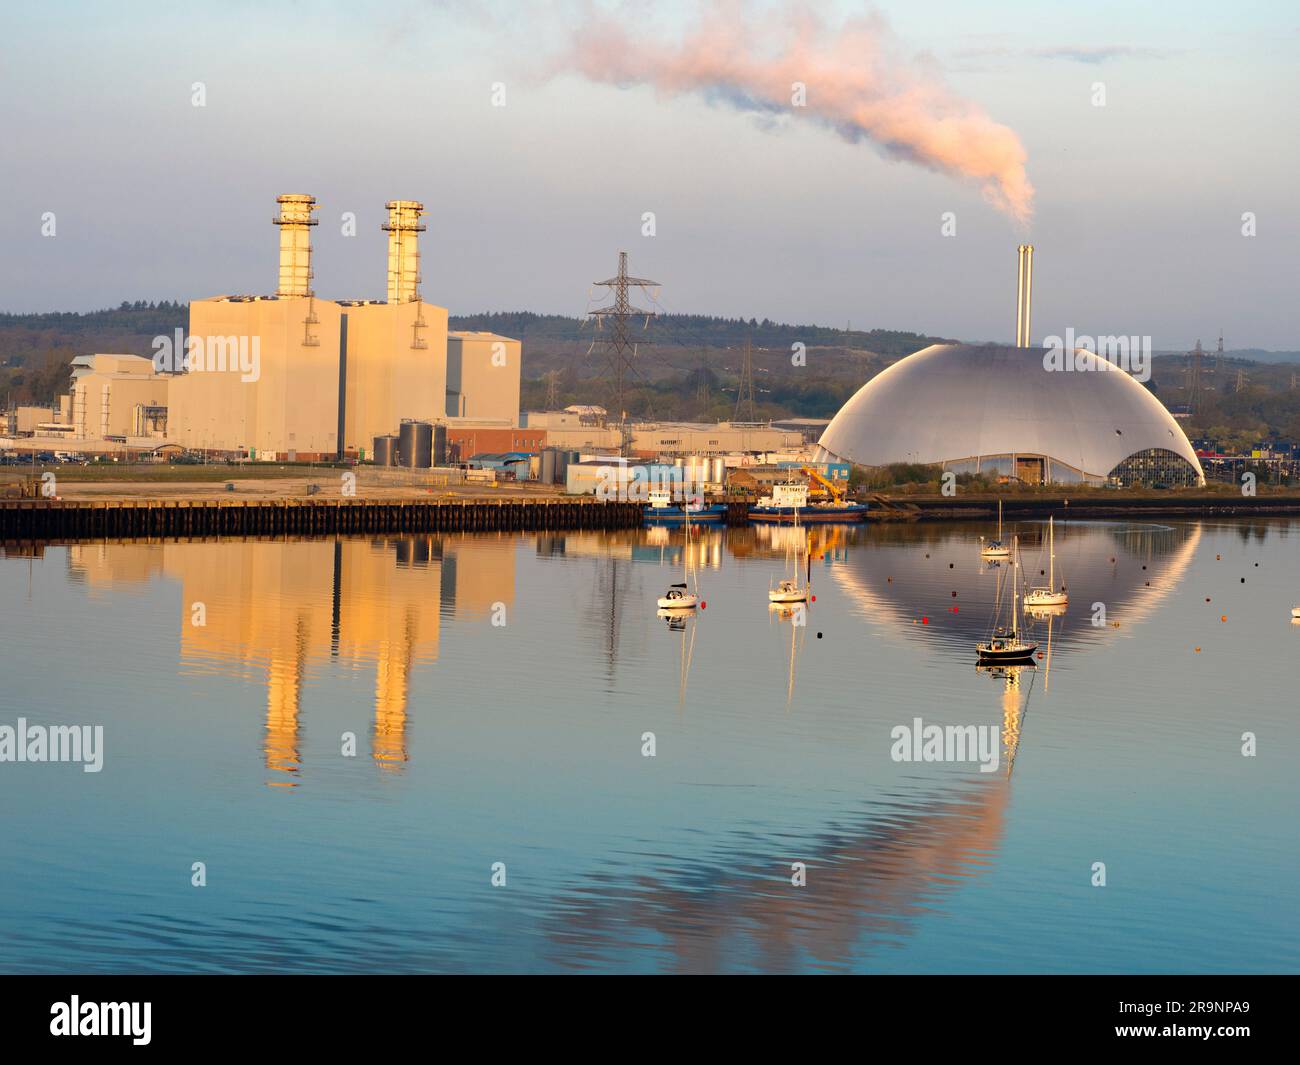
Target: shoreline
<point>219,513</point>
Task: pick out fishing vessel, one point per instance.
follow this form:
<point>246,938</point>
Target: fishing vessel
<point>995,548</point>
<point>681,596</point>
<point>660,509</point>
<point>1050,595</point>
<point>1007,644</point>
<point>789,501</point>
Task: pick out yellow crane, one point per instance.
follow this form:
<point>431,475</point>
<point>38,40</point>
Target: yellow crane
<point>835,491</point>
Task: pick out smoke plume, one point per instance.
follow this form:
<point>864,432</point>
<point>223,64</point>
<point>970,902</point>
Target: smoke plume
<point>857,83</point>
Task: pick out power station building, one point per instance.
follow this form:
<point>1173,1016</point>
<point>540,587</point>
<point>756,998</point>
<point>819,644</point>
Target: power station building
<point>996,410</point>
<point>294,376</point>
<point>1033,414</point>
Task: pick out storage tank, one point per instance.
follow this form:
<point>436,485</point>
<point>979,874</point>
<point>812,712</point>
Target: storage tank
<point>415,444</point>
<point>549,458</point>
<point>719,471</point>
<point>385,453</point>
<point>440,445</point>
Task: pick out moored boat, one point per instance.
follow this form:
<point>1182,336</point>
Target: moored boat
<point>1050,595</point>
<point>790,502</point>
<point>995,548</point>
<point>660,509</point>
<point>1006,644</point>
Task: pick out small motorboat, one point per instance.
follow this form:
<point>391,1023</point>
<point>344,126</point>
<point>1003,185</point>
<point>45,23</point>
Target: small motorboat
<point>1295,612</point>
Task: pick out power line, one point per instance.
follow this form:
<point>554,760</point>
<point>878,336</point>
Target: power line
<point>617,347</point>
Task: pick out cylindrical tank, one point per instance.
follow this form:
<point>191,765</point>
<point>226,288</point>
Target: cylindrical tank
<point>440,445</point>
<point>416,445</point>
<point>423,445</point>
<point>385,450</point>
<point>549,457</point>
<point>406,444</point>
<point>719,471</point>
<point>563,459</point>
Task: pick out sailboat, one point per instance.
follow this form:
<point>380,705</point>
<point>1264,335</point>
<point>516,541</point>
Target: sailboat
<point>788,589</point>
<point>1048,596</point>
<point>995,548</point>
<point>679,596</point>
<point>1006,644</point>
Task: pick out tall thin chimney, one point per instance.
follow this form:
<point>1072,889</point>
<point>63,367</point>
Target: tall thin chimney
<point>295,243</point>
<point>1024,293</point>
<point>1029,291</point>
<point>403,250</point>
<point>1020,291</point>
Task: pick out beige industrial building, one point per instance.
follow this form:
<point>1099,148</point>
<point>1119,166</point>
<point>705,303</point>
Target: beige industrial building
<point>295,376</point>
<point>28,420</point>
<point>117,396</point>
<point>483,372</point>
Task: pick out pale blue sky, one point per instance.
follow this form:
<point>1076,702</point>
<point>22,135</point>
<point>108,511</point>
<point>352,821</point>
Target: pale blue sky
<point>1138,205</point>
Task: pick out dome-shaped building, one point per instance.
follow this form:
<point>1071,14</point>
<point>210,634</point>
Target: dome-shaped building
<point>1000,411</point>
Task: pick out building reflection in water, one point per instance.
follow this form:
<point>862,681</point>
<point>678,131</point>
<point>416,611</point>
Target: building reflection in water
<point>904,575</point>
<point>281,610</point>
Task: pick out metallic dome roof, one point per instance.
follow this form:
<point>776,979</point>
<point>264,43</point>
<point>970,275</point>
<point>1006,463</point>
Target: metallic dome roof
<point>957,401</point>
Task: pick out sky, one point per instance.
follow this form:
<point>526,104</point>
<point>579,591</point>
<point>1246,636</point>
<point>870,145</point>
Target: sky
<point>760,209</point>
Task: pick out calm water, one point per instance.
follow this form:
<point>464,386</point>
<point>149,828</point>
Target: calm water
<point>499,688</point>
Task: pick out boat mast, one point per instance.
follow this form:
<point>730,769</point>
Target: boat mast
<point>686,547</point>
<point>1015,589</point>
<point>1051,553</point>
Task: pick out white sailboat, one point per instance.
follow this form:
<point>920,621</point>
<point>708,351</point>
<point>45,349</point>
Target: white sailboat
<point>789,590</point>
<point>995,548</point>
<point>680,596</point>
<point>1050,595</point>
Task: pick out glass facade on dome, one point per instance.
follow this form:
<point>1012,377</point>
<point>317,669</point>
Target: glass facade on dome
<point>1155,465</point>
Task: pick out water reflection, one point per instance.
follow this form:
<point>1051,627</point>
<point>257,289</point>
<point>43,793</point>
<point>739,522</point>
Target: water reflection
<point>772,742</point>
<point>868,885</point>
<point>953,593</point>
<point>280,609</point>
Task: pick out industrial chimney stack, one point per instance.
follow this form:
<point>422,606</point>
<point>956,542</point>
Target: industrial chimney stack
<point>295,243</point>
<point>1024,294</point>
<point>403,251</point>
